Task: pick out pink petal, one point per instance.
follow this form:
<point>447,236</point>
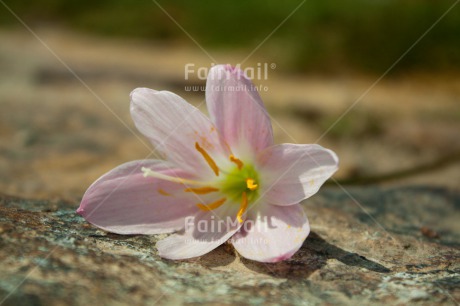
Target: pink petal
<point>124,201</point>
<point>203,233</point>
<point>293,172</point>
<point>272,234</point>
<point>236,109</point>
<point>174,126</point>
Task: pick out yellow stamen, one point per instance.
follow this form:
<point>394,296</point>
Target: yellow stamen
<point>243,207</point>
<point>237,161</point>
<point>250,184</point>
<point>202,190</point>
<point>162,192</point>
<point>211,206</point>
<point>208,158</point>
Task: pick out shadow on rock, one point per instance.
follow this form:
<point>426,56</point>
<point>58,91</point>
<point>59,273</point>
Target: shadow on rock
<point>311,257</point>
<point>317,244</point>
<point>221,256</point>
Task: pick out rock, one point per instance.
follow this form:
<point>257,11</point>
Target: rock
<point>368,246</point>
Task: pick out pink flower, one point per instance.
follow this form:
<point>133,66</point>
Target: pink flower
<point>223,177</point>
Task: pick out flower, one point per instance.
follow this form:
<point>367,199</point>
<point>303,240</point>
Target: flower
<point>222,178</point>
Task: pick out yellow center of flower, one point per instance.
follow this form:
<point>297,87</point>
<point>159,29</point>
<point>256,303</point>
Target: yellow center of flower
<point>239,184</point>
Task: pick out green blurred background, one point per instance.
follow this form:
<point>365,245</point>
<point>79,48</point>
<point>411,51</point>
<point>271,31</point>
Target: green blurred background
<point>322,36</point>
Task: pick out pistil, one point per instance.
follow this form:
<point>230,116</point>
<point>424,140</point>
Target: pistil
<point>149,172</point>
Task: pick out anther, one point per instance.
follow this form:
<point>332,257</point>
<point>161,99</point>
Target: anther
<point>211,206</point>
<point>250,183</point>
<point>243,207</point>
<point>208,159</point>
<point>202,190</point>
<point>237,161</point>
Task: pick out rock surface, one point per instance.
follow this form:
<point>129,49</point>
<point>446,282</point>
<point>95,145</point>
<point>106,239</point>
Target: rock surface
<point>368,246</point>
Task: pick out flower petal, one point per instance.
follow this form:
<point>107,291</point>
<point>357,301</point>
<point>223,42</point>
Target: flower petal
<point>123,201</point>
<point>174,127</point>
<point>236,109</point>
<point>272,234</point>
<point>295,172</point>
<point>203,233</point>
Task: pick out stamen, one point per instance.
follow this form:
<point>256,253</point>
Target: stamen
<point>150,172</point>
<point>163,192</point>
<point>211,206</point>
<point>250,184</point>
<point>202,190</point>
<point>208,158</point>
<point>237,161</point>
<point>243,207</point>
